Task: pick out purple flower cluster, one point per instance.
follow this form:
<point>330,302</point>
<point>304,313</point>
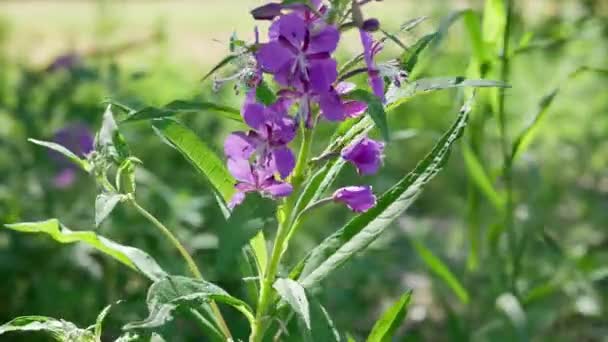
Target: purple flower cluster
<point>298,56</point>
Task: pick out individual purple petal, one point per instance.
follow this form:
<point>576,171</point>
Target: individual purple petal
<point>324,38</point>
<point>376,83</point>
<point>273,57</point>
<point>241,170</point>
<point>65,178</point>
<point>293,29</point>
<point>253,114</point>
<point>353,109</point>
<point>236,199</point>
<point>284,161</point>
<point>322,73</point>
<point>331,106</point>
<point>357,198</point>
<point>345,87</point>
<point>277,189</point>
<point>267,12</point>
<point>365,154</point>
<point>369,51</point>
<point>239,145</point>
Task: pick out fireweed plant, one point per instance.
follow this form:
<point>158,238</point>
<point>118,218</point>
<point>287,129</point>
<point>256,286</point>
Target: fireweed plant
<point>292,82</point>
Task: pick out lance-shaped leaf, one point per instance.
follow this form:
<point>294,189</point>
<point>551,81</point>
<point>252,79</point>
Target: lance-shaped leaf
<point>166,295</point>
<point>478,174</point>
<point>104,204</point>
<point>375,109</point>
<point>200,155</point>
<point>82,163</point>
<point>441,270</point>
<point>385,327</point>
<point>183,107</point>
<point>220,65</point>
<point>294,294</point>
<point>58,329</point>
<point>130,256</point>
<point>364,228</point>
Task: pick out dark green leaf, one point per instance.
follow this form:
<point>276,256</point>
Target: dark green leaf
<point>104,204</point>
<point>183,107</point>
<point>410,57</point>
<point>375,109</point>
<point>59,329</point>
<point>98,328</point>
<point>294,294</point>
<point>441,270</point>
<point>385,327</point>
<point>477,173</point>
<point>395,39</point>
<point>264,94</point>
<point>130,256</point>
<point>197,151</point>
<point>219,65</point>
<point>166,295</point>
<point>82,163</point>
<point>364,228</point>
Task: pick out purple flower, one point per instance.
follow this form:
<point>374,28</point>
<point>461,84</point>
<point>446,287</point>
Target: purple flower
<point>370,50</point>
<point>76,138</point>
<point>272,123</point>
<point>298,53</point>
<point>357,198</point>
<point>267,12</point>
<point>365,154</point>
<point>64,62</point>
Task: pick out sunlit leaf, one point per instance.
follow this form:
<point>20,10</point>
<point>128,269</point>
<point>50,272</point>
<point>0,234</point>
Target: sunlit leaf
<point>295,295</point>
<point>200,155</point>
<point>385,327</point>
<point>130,256</point>
<point>441,270</point>
<point>58,329</point>
<point>104,204</point>
<point>364,228</point>
<point>171,292</point>
<point>82,163</point>
<point>375,109</point>
<point>183,107</point>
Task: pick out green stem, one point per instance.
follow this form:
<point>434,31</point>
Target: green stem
<point>281,240</point>
<point>508,170</point>
<point>187,257</point>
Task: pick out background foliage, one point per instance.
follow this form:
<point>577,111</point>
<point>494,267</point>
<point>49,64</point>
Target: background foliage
<point>468,284</point>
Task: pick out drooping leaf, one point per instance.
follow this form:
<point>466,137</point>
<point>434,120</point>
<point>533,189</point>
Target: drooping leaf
<point>220,65</point>
<point>441,270</point>
<point>104,204</point>
<point>171,292</point>
<point>364,228</point>
<point>130,256</point>
<point>82,163</point>
<point>375,109</point>
<point>183,107</point>
<point>294,294</point>
<point>264,95</point>
<point>478,175</point>
<point>200,155</point>
<point>391,319</point>
<point>58,329</point>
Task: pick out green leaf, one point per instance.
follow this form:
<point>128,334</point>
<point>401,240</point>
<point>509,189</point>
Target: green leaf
<point>264,94</point>
<point>441,270</point>
<point>130,256</point>
<point>395,39</point>
<point>219,65</point>
<point>364,228</point>
<point>375,109</point>
<point>200,155</point>
<point>396,96</point>
<point>525,137</point>
<point>479,176</point>
<point>385,327</point>
<point>412,23</point>
<point>322,326</point>
<point>82,163</point>
<point>260,251</point>
<point>294,294</point>
<point>511,307</point>
<point>99,321</point>
<point>59,329</point>
<point>410,57</point>
<point>109,141</point>
<point>183,107</point>
<point>166,295</point>
<point>104,204</point>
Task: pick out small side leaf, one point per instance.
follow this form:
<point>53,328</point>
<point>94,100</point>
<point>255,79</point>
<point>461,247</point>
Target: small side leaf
<point>375,109</point>
<point>166,295</point>
<point>200,155</point>
<point>99,321</point>
<point>130,256</point>
<point>385,327</point>
<point>219,65</point>
<point>59,329</point>
<point>183,107</point>
<point>294,294</point>
<point>82,163</point>
<point>104,204</point>
<point>264,94</point>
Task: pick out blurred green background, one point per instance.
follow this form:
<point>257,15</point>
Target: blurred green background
<point>152,52</point>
